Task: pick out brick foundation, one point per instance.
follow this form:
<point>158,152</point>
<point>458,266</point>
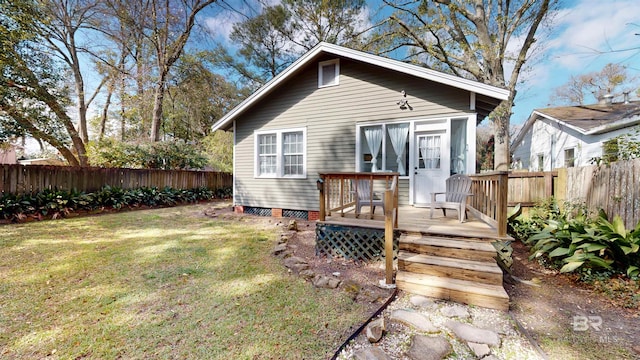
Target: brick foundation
<point>238,209</point>
<point>313,215</point>
<point>276,212</point>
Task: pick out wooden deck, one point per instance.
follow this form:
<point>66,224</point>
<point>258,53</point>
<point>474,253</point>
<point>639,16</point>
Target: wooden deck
<point>416,219</point>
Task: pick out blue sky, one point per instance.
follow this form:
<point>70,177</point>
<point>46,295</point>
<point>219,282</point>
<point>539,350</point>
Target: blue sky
<point>585,36</point>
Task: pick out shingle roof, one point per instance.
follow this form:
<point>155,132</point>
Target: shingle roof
<point>588,117</point>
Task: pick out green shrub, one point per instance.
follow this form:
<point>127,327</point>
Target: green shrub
<point>573,241</point>
<point>59,203</point>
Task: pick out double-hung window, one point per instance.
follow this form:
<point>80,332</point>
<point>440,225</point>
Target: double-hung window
<point>281,153</point>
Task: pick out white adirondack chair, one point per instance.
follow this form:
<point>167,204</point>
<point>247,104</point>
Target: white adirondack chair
<point>458,187</point>
<point>365,197</point>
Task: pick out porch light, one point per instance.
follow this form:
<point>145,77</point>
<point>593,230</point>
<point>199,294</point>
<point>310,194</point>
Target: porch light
<point>403,102</point>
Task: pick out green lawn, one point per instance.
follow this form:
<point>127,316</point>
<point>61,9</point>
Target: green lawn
<point>167,283</point>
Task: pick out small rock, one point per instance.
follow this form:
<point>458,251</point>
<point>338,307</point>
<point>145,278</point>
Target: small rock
<point>299,267</point>
<point>481,350</point>
<point>293,260</point>
<point>321,281</point>
<point>429,348</point>
<point>279,249</point>
<point>307,274</point>
<point>414,319</point>
<point>371,353</point>
<point>455,311</point>
<point>422,301</point>
<point>336,274</point>
<point>293,225</point>
<point>374,330</point>
<point>283,239</point>
<point>469,333</point>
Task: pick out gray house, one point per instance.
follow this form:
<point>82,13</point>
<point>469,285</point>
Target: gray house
<point>341,110</point>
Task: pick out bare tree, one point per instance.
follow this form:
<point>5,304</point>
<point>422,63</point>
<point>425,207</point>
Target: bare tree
<point>475,39</point>
<point>613,79</point>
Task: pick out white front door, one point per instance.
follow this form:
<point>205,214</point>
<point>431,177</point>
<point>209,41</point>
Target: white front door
<point>431,167</point>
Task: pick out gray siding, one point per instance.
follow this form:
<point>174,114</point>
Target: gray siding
<point>365,93</point>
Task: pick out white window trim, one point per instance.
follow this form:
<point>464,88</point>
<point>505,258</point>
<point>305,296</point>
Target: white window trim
<point>279,154</point>
<point>538,168</point>
<point>564,156</point>
<point>336,78</point>
<point>383,147</point>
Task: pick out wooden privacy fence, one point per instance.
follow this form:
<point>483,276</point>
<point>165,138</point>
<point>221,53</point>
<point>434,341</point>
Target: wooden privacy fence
<point>614,188</point>
<point>33,178</point>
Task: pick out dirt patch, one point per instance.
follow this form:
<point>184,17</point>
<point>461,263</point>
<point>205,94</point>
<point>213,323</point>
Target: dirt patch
<point>567,319</point>
<point>359,279</point>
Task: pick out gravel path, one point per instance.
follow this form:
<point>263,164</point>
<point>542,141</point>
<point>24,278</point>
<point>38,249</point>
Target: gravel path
<point>471,332</point>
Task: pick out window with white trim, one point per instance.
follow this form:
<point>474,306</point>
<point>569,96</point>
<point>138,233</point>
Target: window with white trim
<point>540,162</point>
<point>281,153</point>
<point>328,73</point>
<point>383,147</point>
<point>570,157</point>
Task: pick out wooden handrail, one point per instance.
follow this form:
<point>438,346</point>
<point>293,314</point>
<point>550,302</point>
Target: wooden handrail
<point>336,192</point>
<point>489,202</point>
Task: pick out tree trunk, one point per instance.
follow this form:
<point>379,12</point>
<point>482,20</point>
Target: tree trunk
<point>500,118</point>
<point>156,122</point>
<point>105,113</point>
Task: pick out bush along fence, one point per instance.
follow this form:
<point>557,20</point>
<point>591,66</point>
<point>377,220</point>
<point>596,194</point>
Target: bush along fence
<point>38,192</point>
<point>61,203</point>
<point>21,179</point>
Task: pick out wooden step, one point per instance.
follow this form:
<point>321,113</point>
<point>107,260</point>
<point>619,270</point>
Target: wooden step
<point>477,271</point>
<point>458,248</point>
<point>462,291</point>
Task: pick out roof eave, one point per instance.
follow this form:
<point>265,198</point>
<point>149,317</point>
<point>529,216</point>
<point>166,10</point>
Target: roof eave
<point>473,86</point>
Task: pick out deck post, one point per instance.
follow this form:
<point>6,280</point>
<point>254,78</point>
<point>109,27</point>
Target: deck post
<point>501,211</point>
<point>322,215</point>
<point>388,236</point>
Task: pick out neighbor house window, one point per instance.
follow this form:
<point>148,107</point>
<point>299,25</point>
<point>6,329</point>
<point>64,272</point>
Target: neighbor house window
<point>569,157</point>
<point>281,153</point>
<point>328,73</point>
<point>383,147</point>
<point>540,162</point>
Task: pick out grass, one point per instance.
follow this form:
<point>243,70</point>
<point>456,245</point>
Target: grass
<point>164,284</point>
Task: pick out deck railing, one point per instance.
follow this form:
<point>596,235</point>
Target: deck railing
<point>338,192</point>
<point>489,200</point>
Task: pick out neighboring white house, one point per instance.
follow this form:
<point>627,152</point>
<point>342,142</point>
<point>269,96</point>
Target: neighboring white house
<point>570,136</point>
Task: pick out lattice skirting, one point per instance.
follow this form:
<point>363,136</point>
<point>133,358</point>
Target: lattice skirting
<point>257,211</point>
<point>352,242</point>
<point>299,214</point>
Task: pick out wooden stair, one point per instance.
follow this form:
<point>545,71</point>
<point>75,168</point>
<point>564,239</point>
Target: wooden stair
<point>451,268</point>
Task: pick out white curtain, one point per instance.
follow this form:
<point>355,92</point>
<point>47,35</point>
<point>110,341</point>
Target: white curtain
<point>458,149</point>
<point>374,141</point>
<point>398,135</point>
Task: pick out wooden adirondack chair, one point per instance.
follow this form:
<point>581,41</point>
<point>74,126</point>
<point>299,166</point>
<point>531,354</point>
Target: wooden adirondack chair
<point>365,197</point>
<point>458,187</point>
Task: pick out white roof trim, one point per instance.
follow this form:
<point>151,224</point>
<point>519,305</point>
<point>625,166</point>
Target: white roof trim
<point>417,71</point>
<point>597,130</point>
